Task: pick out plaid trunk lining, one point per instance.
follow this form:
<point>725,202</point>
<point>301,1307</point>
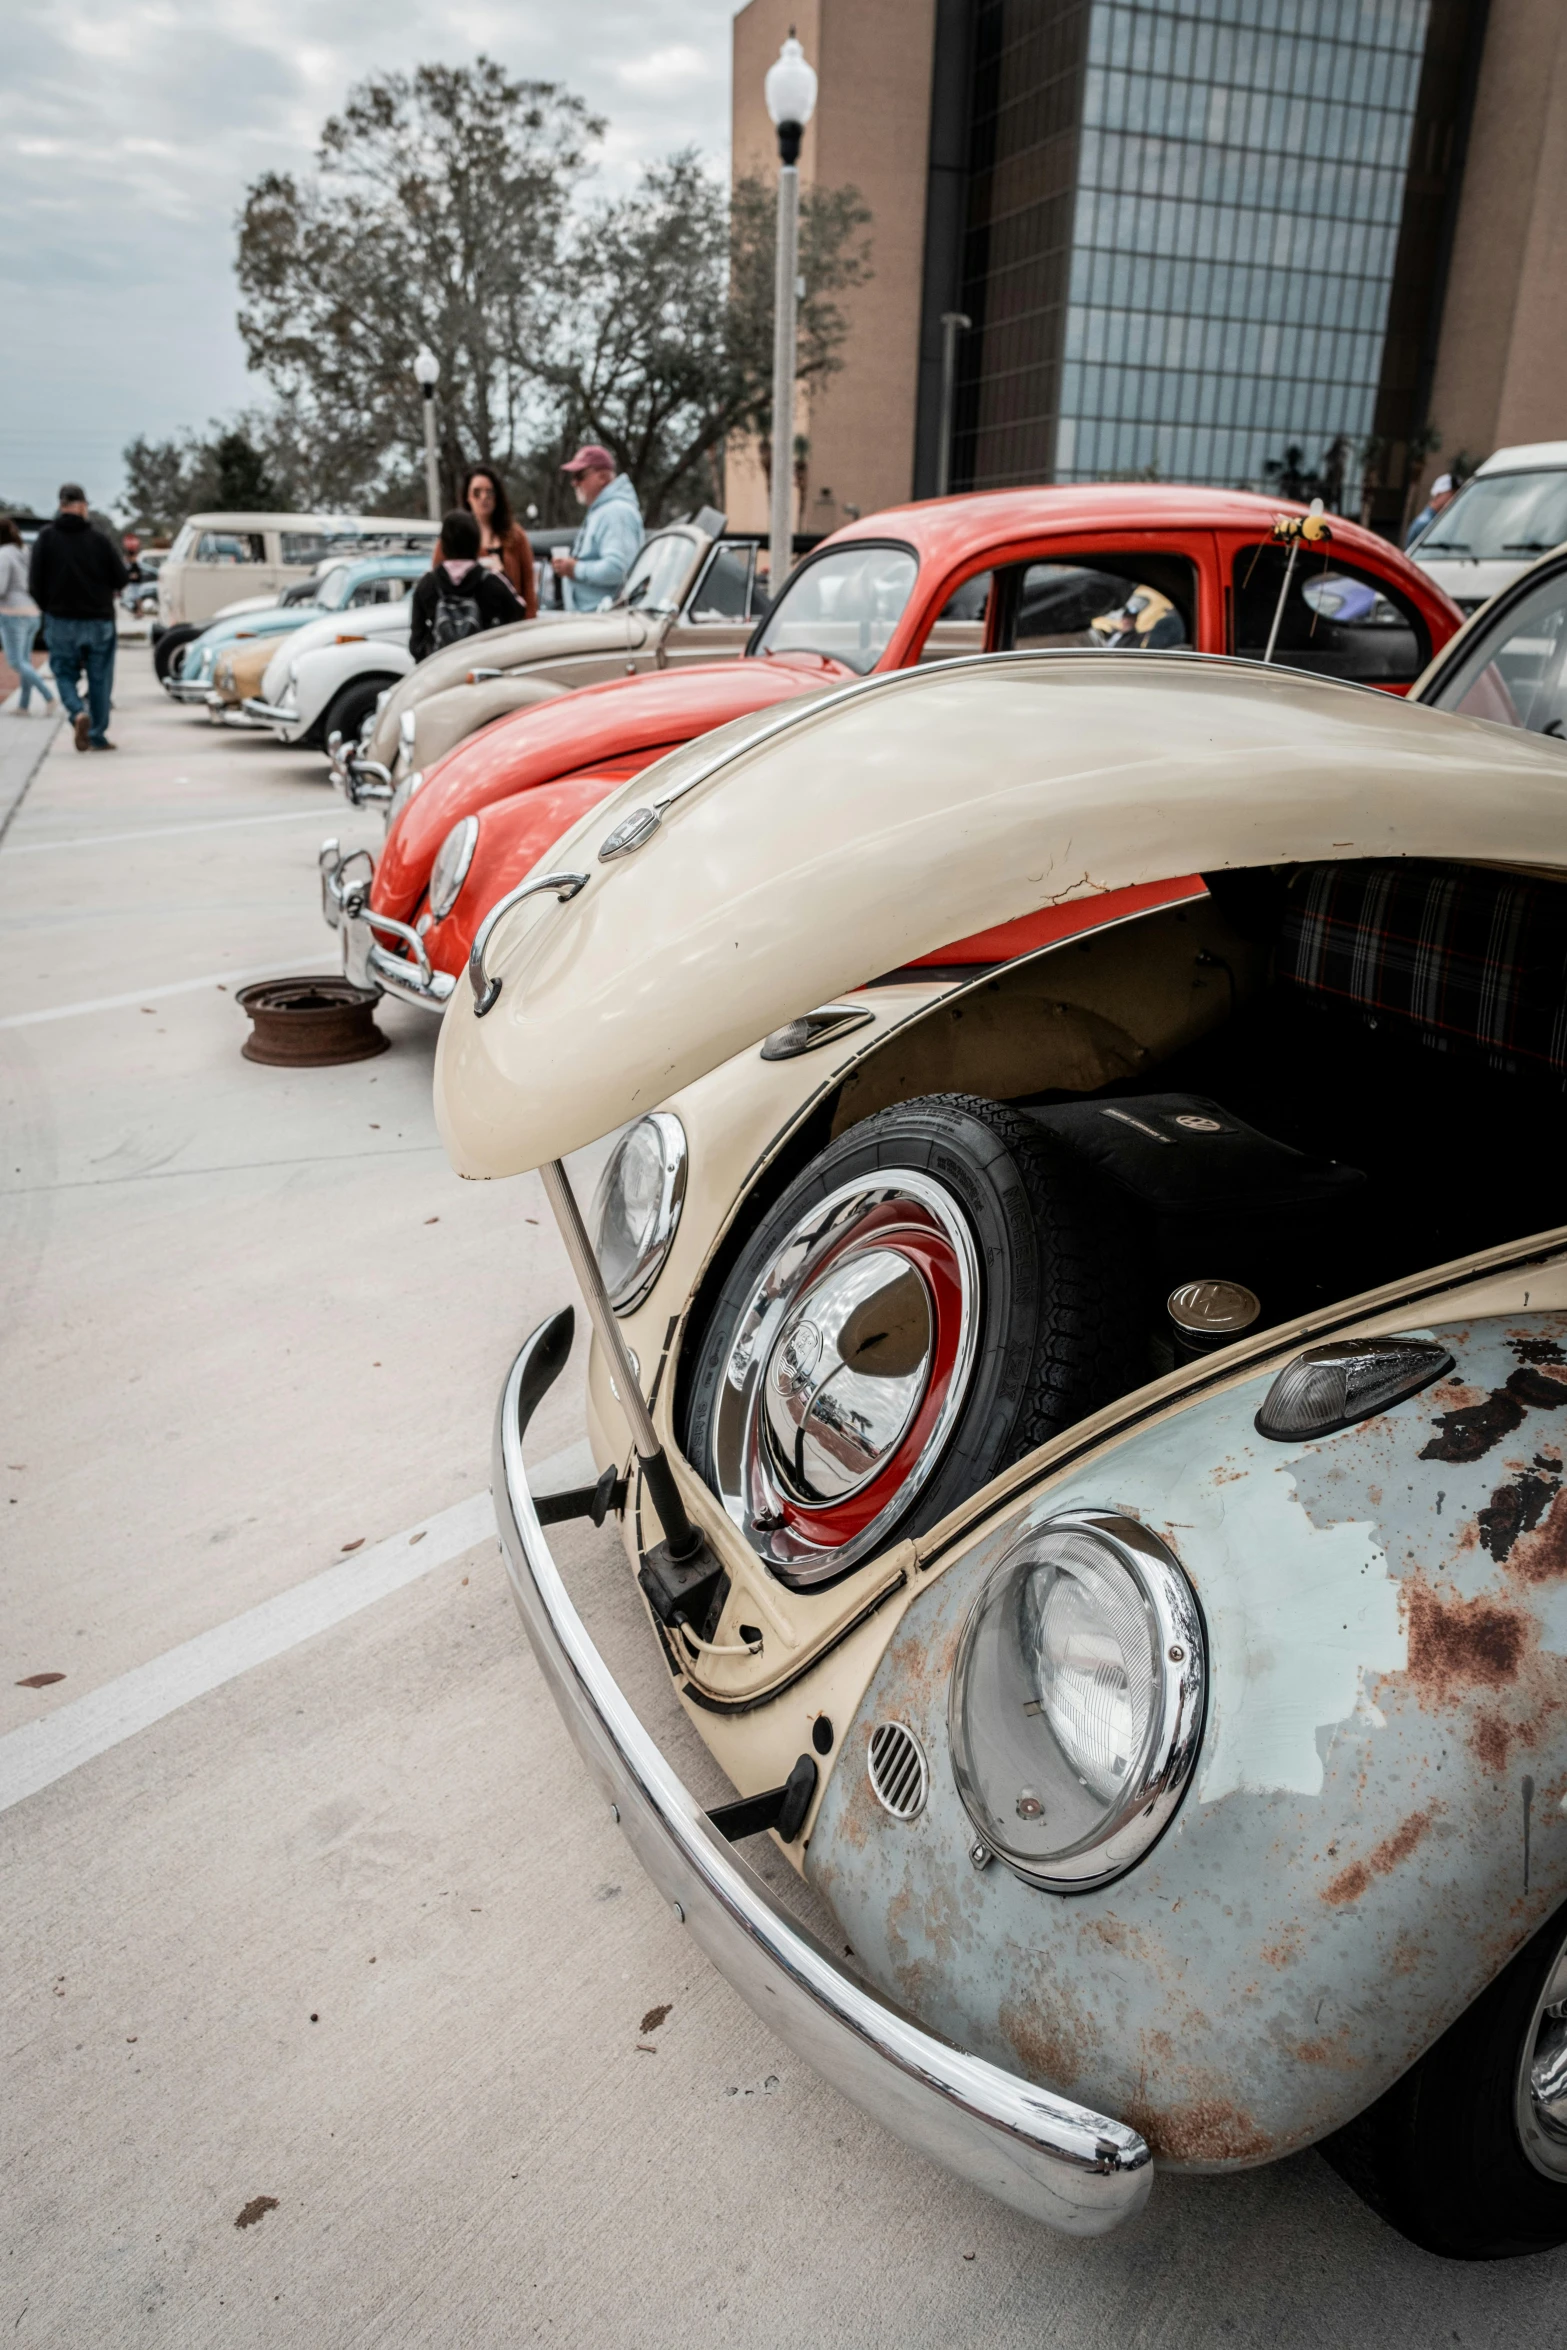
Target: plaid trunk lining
<point>1464,957</point>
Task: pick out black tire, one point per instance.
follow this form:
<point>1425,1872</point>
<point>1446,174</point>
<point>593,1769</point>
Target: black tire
<point>1061,1312</point>
<point>349,707</point>
<point>172,641</point>
<point>1441,2156</point>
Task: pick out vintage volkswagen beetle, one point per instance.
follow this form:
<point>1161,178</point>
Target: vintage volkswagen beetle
<point>1166,1698</point>
<point>997,571</point>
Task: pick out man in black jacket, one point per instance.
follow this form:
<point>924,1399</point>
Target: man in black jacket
<point>74,577</point>
<point>459,596</point>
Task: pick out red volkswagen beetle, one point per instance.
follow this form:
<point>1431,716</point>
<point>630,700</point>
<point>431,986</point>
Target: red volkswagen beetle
<point>1125,568</point>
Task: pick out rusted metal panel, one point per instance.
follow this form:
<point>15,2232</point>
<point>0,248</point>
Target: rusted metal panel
<point>1378,1818</point>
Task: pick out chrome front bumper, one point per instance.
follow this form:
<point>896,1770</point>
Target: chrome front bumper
<point>364,782</point>
<point>345,904</point>
<point>269,713</point>
<point>1054,2161</point>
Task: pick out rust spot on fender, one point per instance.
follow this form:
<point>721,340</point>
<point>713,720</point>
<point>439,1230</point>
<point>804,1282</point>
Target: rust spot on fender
<point>1350,1883</point>
<point>1461,1643</point>
<point>1542,1557</point>
<point>1516,1509</point>
<point>1474,1429</point>
<point>1530,1348</point>
<point>1205,2129</point>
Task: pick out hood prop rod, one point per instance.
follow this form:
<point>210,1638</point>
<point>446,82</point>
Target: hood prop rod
<point>682,1543</point>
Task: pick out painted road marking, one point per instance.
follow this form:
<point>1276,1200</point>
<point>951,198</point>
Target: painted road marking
<point>103,840</point>
<point>40,1752</point>
<point>145,995</point>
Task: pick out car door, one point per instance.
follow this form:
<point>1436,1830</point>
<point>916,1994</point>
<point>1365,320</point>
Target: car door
<point>225,566</point>
<point>715,619</point>
<point>1511,665</point>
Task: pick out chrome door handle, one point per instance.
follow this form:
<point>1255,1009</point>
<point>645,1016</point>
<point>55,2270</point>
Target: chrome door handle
<point>485,989</point>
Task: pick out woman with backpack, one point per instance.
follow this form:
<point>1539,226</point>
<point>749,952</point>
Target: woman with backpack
<point>503,543</point>
<point>458,597</point>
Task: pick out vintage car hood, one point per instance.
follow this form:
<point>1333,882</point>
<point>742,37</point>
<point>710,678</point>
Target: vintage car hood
<point>849,836</point>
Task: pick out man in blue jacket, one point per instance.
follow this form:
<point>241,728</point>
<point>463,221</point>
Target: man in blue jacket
<point>605,548</point>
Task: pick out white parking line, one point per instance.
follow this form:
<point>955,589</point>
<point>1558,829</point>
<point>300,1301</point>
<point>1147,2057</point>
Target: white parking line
<point>104,840</point>
<point>150,995</point>
<point>41,1752</point>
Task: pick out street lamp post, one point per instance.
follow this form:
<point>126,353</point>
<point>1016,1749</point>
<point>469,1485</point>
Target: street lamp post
<point>953,324</point>
<point>427,370</point>
<point>791,101</point>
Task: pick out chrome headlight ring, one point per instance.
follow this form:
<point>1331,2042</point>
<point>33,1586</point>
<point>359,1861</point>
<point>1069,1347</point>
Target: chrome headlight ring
<point>1075,1712</point>
<point>450,870</point>
<point>636,1208</point>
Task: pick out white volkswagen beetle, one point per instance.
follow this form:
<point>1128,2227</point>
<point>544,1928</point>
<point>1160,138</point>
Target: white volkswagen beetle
<point>328,676</point>
<point>1080,1367</point>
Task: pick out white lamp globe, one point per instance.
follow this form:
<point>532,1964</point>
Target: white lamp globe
<point>427,367</point>
<point>791,85</point>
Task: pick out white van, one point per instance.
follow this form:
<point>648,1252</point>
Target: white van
<point>222,560</point>
<point>1506,516</point>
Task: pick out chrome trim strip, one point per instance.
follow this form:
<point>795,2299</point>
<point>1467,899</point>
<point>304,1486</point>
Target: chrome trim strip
<point>1056,2162</point>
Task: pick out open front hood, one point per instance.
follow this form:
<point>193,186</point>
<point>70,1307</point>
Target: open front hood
<point>846,837</point>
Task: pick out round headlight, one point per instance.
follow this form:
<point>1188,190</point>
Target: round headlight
<point>637,1207</point>
<point>450,870</point>
<point>1077,1700</point>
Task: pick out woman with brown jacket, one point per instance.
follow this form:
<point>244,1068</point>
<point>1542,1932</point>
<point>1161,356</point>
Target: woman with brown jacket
<point>503,543</point>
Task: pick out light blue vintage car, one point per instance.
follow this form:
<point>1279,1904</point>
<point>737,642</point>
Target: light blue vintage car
<point>341,586</point>
<point>1079,1309</point>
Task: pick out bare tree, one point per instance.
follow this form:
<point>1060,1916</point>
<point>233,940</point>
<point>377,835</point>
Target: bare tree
<point>435,217</point>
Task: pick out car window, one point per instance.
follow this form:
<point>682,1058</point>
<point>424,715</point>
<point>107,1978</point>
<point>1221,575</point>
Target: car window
<point>305,546</point>
<point>1336,620</point>
<point>959,627</point>
<point>1137,603</point>
<point>378,591</point>
<point>658,575</point>
<point>1512,672</point>
<point>845,606</point>
<point>231,546</point>
<point>1502,514</point>
<point>180,551</point>
<point>724,590</point>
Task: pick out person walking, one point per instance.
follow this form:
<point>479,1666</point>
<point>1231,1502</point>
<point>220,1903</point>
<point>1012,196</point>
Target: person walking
<point>503,543</point>
<point>605,548</point>
<point>458,597</point>
<point>74,577</point>
<point>19,618</point>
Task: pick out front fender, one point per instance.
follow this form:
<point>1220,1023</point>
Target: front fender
<point>320,675</point>
<point>1375,1823</point>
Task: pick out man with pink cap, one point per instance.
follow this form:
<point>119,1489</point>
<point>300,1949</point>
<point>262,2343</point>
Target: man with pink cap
<point>605,548</point>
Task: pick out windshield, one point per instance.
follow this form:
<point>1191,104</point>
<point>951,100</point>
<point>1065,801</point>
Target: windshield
<point>1501,514</point>
<point>658,576</point>
<point>845,606</point>
<point>333,590</point>
<point>1514,672</point>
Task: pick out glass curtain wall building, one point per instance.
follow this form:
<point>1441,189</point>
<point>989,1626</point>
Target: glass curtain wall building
<point>1201,234</point>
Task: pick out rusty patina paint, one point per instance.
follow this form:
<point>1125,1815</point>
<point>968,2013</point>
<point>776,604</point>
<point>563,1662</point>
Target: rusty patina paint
<point>1376,1822</point>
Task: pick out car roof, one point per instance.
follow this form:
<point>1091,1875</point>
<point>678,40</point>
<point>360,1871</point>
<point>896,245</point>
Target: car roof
<point>947,529</point>
<point>1527,457</point>
<point>361,524</point>
<point>857,833</point>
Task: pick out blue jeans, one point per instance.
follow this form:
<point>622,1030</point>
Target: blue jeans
<point>71,643</point>
<point>17,631</point>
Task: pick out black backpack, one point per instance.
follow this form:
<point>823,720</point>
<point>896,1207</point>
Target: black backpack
<point>457,614</point>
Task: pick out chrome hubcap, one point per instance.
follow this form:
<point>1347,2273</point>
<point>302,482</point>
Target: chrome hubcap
<point>845,1374</point>
<point>1542,2077</point>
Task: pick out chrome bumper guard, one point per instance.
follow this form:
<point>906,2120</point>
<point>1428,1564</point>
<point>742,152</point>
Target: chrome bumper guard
<point>363,782</point>
<point>1054,2161</point>
<point>187,689</point>
<point>269,713</point>
<point>345,905</point>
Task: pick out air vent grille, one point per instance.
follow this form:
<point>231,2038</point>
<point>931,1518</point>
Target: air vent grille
<point>900,1780</point>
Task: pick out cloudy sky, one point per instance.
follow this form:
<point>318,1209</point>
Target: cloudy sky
<point>129,130</point>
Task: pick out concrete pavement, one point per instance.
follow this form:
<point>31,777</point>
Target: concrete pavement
<point>330,1994</point>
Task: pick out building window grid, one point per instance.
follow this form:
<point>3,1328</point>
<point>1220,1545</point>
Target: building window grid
<point>1329,208</point>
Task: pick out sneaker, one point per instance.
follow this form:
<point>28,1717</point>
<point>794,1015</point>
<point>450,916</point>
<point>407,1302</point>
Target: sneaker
<point>81,730</point>
<point>105,745</point>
